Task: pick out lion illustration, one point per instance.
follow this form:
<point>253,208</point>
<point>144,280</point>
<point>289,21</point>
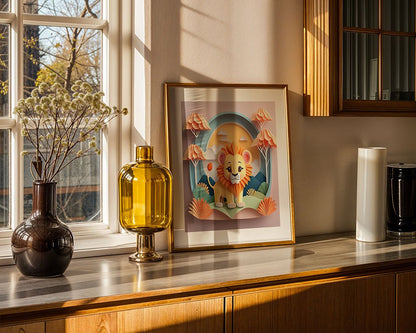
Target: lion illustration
<point>233,172</point>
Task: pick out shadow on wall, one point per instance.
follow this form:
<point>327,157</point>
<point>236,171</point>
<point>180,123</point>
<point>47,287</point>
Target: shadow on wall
<point>167,43</point>
<point>161,52</point>
<point>183,48</point>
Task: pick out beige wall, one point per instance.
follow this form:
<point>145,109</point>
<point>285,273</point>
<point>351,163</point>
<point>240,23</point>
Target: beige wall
<point>261,41</point>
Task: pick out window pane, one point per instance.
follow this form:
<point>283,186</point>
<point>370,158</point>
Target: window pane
<point>4,179</point>
<point>4,70</point>
<point>398,68</point>
<point>399,15</point>
<point>360,66</point>
<point>361,13</point>
<point>72,8</point>
<point>78,188</point>
<point>71,53</point>
<point>4,5</point>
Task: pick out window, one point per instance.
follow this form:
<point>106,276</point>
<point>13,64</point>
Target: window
<point>73,39</point>
<point>360,57</point>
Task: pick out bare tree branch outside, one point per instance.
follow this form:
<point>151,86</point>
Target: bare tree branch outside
<point>70,54</point>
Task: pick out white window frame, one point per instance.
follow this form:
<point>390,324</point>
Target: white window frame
<point>117,81</point>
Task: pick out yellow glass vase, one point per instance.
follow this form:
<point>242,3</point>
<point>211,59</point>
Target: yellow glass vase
<point>145,202</point>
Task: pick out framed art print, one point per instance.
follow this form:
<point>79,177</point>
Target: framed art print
<point>229,152</point>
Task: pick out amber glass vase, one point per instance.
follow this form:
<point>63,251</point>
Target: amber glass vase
<point>145,202</point>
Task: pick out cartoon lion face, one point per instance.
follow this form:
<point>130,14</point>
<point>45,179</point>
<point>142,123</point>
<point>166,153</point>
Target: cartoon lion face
<point>234,169</point>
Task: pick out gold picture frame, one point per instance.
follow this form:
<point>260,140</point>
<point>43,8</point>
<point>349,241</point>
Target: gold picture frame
<point>228,148</point>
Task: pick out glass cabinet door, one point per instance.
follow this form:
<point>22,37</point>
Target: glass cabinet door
<point>378,50</point>
<point>360,70</point>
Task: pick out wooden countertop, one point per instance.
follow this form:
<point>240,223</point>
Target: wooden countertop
<point>113,280</point>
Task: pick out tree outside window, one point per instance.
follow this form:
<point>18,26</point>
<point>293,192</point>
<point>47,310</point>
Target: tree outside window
<point>70,53</point>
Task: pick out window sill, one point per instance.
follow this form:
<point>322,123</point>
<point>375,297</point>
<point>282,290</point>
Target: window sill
<point>87,246</point>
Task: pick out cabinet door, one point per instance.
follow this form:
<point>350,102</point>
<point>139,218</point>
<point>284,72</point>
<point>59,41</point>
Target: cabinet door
<point>190,317</point>
<point>27,328</point>
<point>406,302</point>
<point>353,305</point>
<point>101,323</point>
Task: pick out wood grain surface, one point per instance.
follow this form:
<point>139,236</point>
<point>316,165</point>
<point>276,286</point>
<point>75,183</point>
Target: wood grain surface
<point>28,328</point>
<point>191,317</point>
<point>406,302</point>
<point>352,305</point>
<point>101,323</point>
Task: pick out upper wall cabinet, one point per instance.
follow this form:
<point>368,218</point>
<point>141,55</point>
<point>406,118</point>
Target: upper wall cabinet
<point>359,57</point>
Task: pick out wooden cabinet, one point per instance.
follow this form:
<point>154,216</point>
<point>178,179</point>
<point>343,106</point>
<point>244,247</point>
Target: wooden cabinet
<point>367,303</point>
<point>193,317</point>
<point>343,77</point>
<point>406,302</point>
<point>351,305</point>
<point>100,323</point>
<point>26,328</point>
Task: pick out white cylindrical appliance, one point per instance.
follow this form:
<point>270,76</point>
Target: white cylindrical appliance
<point>371,194</point>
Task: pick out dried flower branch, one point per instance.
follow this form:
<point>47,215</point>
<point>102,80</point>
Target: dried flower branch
<point>57,122</point>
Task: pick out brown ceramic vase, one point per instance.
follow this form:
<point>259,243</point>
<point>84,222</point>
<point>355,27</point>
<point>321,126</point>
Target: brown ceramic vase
<point>42,245</point>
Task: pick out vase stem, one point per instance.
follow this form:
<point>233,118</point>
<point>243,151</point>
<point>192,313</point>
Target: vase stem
<point>145,249</point>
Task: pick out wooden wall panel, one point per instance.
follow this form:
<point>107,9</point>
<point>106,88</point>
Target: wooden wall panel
<point>100,323</point>
<point>316,58</point>
<point>193,317</point>
<point>321,85</point>
<point>27,328</point>
<point>354,305</point>
<point>406,302</point>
